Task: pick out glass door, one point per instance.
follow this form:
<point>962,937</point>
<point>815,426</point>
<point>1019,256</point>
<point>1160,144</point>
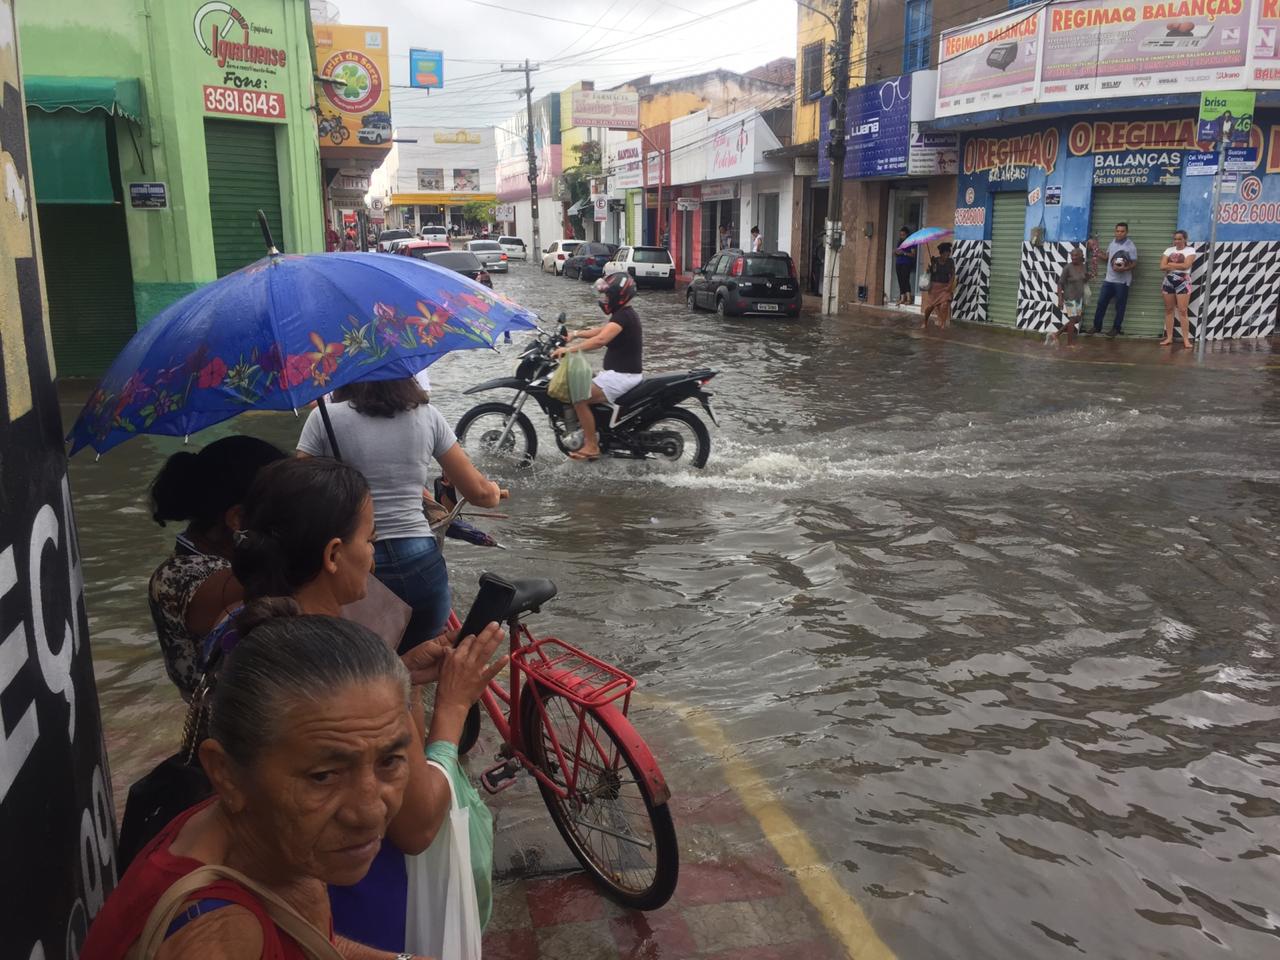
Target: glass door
<point>907,208</point>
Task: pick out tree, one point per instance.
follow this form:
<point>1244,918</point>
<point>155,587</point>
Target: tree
<point>477,211</point>
<point>577,179</point>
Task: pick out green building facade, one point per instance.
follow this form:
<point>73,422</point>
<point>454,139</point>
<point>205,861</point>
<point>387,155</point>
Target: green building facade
<point>158,128</point>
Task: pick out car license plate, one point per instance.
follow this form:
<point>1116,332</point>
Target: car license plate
<point>767,307</point>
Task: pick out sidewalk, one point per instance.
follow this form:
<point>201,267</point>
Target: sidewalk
<point>1221,355</point>
<point>736,898</point>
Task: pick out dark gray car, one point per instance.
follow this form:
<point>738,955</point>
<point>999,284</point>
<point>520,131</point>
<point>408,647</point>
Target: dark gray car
<point>491,254</point>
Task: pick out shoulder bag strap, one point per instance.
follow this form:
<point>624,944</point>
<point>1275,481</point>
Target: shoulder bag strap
<point>314,944</point>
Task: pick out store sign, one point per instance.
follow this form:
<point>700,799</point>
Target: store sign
<point>351,184</point>
<point>626,165</point>
<point>148,196</point>
<point>241,64</point>
<point>731,152</point>
<point>719,191</point>
<point>354,62</point>
<point>989,64</point>
<point>1134,153</point>
<point>932,154</point>
<point>1008,159</point>
<point>504,212</point>
<point>470,137</point>
<point>877,131</point>
<point>614,110</point>
<point>970,216</point>
<point>687,204</point>
<point>653,168</point>
<point>426,69</point>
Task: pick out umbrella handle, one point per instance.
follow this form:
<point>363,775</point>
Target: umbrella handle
<point>272,249</point>
<point>328,428</point>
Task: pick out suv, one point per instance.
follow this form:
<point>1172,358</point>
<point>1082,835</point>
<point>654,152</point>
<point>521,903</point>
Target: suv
<point>587,262</point>
<point>514,248</point>
<point>557,253</point>
<point>738,282</point>
<point>376,128</point>
<point>646,264</point>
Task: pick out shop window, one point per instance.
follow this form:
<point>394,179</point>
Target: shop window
<point>812,72</point>
<point>919,25</point>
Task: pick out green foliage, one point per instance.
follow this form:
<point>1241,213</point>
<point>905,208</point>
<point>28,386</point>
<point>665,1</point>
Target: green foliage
<point>577,179</point>
<point>477,211</point>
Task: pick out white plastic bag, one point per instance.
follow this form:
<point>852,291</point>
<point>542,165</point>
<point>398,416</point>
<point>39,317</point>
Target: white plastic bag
<point>442,919</point>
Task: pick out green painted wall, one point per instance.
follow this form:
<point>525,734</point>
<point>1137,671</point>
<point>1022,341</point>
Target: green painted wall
<point>155,40</point>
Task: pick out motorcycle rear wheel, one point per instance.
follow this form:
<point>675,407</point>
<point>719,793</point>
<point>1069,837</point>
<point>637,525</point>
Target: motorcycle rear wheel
<point>680,421</point>
<point>480,427</point>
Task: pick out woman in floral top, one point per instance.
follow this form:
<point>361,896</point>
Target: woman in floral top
<point>191,589</point>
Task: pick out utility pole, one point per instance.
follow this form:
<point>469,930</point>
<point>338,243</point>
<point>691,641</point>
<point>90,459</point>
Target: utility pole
<point>836,149</point>
<point>527,69</point>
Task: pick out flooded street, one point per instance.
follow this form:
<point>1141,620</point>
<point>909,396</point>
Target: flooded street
<point>1000,632</point>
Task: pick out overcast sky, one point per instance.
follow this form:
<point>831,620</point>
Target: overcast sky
<point>608,41</point>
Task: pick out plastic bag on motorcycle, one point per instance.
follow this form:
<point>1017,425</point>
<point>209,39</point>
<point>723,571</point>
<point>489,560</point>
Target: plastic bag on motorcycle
<point>571,383</point>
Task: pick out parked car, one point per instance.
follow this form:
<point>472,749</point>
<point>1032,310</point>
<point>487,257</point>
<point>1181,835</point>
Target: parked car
<point>490,253</point>
<point>435,231</point>
<point>557,253</point>
<point>587,262</point>
<point>395,245</point>
<point>459,261</point>
<point>420,248</point>
<point>514,248</point>
<point>738,282</point>
<point>648,265</point>
<point>386,236</point>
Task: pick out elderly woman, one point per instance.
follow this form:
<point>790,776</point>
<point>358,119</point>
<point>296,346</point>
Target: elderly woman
<point>309,750</point>
<point>308,533</point>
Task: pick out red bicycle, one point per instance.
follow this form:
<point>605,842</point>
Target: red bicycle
<point>564,720</point>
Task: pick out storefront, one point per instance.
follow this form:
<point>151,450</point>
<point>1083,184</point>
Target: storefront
<point>163,161</point>
<point>1031,194</point>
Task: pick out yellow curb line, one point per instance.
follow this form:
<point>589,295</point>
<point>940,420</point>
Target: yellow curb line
<point>837,909</point>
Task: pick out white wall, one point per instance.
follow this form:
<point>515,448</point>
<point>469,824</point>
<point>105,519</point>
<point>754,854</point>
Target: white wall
<point>781,184</point>
<point>689,148</point>
<point>550,220</point>
<point>427,153</point>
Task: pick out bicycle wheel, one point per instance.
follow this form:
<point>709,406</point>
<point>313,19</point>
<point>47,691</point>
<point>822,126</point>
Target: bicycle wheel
<point>610,821</point>
<point>470,731</point>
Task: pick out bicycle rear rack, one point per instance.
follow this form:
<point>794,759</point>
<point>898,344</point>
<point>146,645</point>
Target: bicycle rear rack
<point>575,675</point>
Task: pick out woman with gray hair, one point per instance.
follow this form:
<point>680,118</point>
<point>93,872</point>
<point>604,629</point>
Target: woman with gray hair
<point>309,746</point>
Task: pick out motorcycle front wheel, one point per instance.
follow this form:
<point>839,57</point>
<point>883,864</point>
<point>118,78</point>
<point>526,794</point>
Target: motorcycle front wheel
<point>482,427</point>
<point>678,436</point>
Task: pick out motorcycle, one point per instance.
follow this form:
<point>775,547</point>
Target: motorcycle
<point>645,423</point>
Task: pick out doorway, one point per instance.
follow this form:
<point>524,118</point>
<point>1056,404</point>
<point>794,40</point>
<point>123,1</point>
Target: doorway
<point>769,221</point>
<point>907,208</point>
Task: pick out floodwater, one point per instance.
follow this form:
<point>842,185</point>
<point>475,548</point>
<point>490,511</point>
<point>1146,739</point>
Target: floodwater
<point>1000,631</point>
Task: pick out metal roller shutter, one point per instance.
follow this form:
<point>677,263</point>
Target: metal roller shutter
<point>1008,226</point>
<point>243,179</point>
<point>1152,215</point>
<point>89,281</point>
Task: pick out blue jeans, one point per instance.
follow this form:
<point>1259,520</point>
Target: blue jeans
<point>1111,290</point>
<point>413,568</point>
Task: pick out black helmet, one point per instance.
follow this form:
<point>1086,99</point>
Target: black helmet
<point>615,291</point>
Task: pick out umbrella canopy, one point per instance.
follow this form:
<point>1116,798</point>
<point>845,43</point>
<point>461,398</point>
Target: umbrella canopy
<point>283,332</point>
<point>925,235</point>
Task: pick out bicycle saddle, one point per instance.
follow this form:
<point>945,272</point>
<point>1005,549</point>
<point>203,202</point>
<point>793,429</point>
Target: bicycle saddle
<point>500,600</point>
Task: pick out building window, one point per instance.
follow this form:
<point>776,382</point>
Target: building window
<point>919,26</point>
<point>812,75</point>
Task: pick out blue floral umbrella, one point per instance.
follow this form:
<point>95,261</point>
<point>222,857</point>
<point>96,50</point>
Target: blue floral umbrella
<point>283,332</point>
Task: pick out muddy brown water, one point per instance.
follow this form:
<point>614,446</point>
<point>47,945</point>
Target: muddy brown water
<point>1000,633</point>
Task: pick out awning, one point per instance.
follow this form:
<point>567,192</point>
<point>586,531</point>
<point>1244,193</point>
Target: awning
<point>69,157</point>
<point>118,97</point>
<point>578,207</point>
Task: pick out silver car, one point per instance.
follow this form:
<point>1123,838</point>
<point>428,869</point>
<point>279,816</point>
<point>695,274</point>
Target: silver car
<point>490,253</point>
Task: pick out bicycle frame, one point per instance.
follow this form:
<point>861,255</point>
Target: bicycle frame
<point>589,685</point>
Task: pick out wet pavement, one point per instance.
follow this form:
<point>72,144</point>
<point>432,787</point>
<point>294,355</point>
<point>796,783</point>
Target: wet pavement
<point>983,628</point>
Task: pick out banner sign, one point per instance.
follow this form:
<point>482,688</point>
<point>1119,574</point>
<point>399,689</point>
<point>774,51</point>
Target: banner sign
<point>1225,114</point>
<point>243,64</point>
<point>615,110</point>
<point>879,131</point>
<point>932,154</point>
<point>426,69</point>
<point>1264,43</point>
<point>1134,153</point>
<point>1009,159</point>
<point>989,64</point>
<point>1115,48</point>
<point>627,171</point>
<point>719,191</point>
<point>732,151</point>
<point>358,90</point>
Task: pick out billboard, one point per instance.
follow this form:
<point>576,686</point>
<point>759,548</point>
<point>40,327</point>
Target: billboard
<point>353,106</point>
<point>426,69</point>
<point>617,110</point>
<point>1116,48</point>
<point>989,64</point>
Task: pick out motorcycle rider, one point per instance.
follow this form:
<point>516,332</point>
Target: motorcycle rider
<point>623,359</point>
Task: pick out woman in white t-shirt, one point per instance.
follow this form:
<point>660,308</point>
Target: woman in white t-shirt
<point>390,433</point>
<point>1176,263</point>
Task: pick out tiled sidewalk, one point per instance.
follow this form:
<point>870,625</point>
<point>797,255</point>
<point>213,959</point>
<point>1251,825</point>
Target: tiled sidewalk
<point>735,899</point>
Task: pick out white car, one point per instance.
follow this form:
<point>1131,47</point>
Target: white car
<point>386,237</point>
<point>489,253</point>
<point>652,265</point>
<point>514,248</point>
<point>434,231</point>
<point>554,256</point>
